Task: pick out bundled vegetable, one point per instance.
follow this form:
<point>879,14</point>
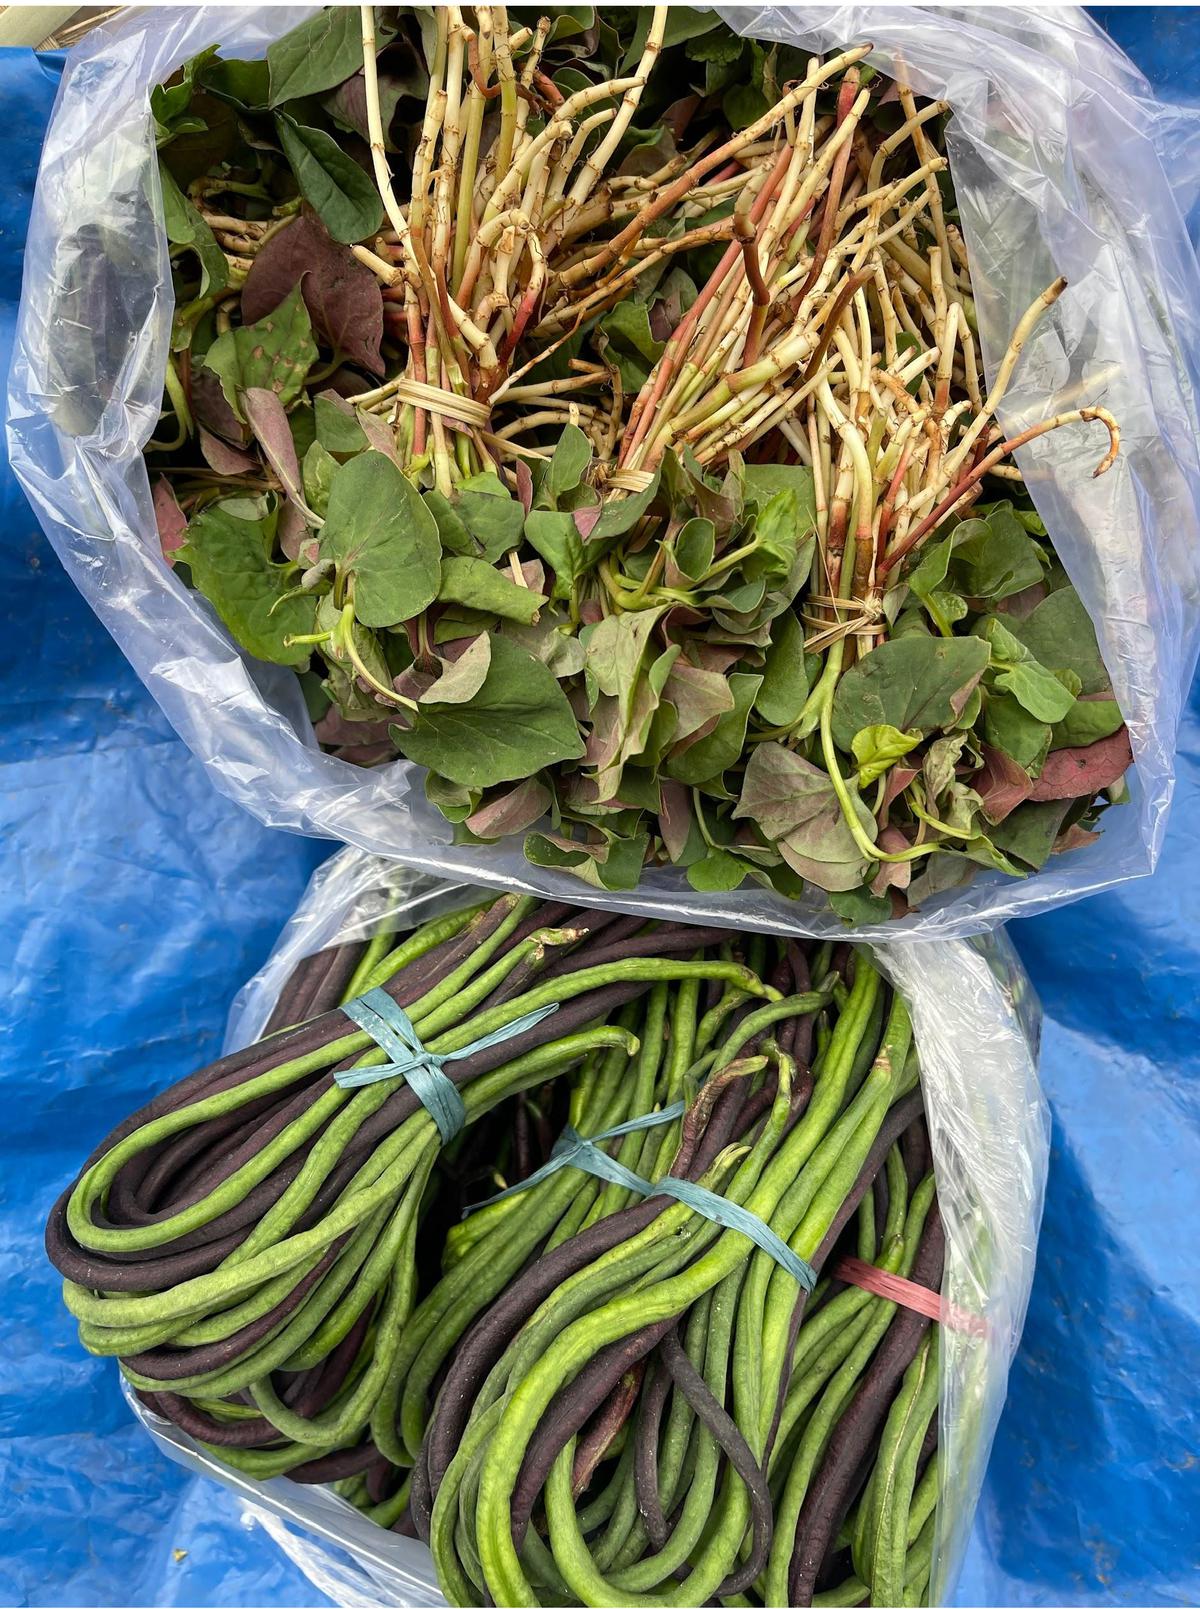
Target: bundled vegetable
<point>615,445</point>
<point>646,1371</point>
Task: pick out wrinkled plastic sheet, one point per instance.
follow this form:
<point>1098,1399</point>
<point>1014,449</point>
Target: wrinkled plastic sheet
<point>1062,163</point>
<point>976,1023</point>
<point>123,948</point>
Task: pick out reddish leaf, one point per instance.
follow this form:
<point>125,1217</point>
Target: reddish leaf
<point>171,520</point>
<point>335,731</point>
<point>380,435</point>
<point>366,753</point>
<point>224,459</point>
<point>511,812</point>
<point>586,520</point>
<point>675,817</point>
<point>524,485</point>
<point>269,422</point>
<point>1022,604</point>
<point>1079,773</point>
<point>412,683</point>
<point>1002,784</point>
<point>291,531</point>
<point>348,102</point>
<point>1075,837</point>
<point>892,873</point>
<point>343,297</point>
<point>211,408</point>
<point>898,778</point>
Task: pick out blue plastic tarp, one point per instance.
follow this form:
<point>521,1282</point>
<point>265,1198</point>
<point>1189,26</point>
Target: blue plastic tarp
<point>134,900</point>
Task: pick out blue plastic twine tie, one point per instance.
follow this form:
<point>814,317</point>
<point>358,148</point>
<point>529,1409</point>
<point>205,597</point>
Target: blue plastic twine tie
<point>730,1216</point>
<point>390,1026</point>
<point>573,1150</point>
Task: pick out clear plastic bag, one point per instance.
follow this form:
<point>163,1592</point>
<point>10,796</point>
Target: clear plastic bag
<point>977,1024</point>
<point>1062,162</point>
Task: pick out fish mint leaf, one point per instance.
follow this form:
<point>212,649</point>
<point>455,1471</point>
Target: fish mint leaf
<point>517,723</point>
<point>274,354</point>
<point>786,681</point>
<point>876,748</point>
<point>379,533</point>
<point>718,872</point>
<point>569,464</point>
<point>1087,721</point>
<point>1080,773</point>
<point>332,183</point>
<point>491,515</point>
<point>1060,635</point>
<point>462,679</point>
<point>709,756</point>
<point>337,426</point>
<point>318,469</point>
<point>610,861</point>
<point>795,806</point>
<point>631,343</point>
<point>187,230</point>
<point>474,584</point>
<point>556,538</point>
<point>1028,833</point>
<point>319,54</point>
<point>1008,726</point>
<point>1034,687</point>
<point>912,683</point>
<point>761,482</point>
<point>230,563</point>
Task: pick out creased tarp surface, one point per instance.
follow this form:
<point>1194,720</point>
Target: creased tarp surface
<point>133,902</point>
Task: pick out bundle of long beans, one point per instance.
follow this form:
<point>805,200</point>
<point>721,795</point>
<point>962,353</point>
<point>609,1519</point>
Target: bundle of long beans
<point>586,1390</point>
<point>620,450</point>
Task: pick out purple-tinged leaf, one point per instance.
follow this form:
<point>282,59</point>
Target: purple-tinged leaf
<point>700,698</point>
<point>533,572</point>
<point>379,434</point>
<point>524,485</point>
<point>892,873</point>
<point>347,104</point>
<point>343,297</point>
<point>1080,773</point>
<point>210,407</point>
<point>898,778</point>
<point>334,730</point>
<point>603,743</point>
<point>291,531</point>
<point>413,683</point>
<point>586,520</point>
<point>1075,837</point>
<point>266,417</point>
<point>1022,604</point>
<point>1002,784</point>
<point>462,677</point>
<point>794,805</point>
<point>515,811</point>
<point>223,459</point>
<point>170,518</point>
<point>675,818</point>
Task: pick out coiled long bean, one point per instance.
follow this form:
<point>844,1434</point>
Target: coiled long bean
<point>580,1392</point>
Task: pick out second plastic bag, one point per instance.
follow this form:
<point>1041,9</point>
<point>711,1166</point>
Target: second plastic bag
<point>976,1025</point>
